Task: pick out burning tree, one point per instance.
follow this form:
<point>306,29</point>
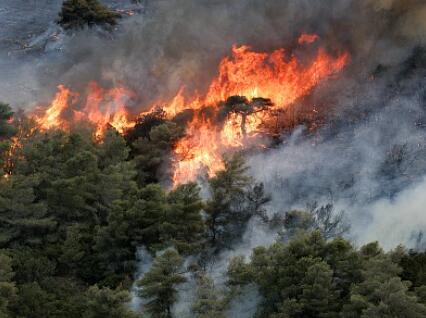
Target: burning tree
<point>224,118</point>
<point>6,131</point>
<point>242,106</point>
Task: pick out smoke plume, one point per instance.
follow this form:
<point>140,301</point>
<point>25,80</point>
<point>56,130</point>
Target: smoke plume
<point>368,156</point>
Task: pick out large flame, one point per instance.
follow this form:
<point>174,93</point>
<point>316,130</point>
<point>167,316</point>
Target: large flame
<point>105,107</point>
<point>254,74</point>
<point>52,116</point>
<point>101,108</point>
<point>199,150</point>
<point>281,78</point>
<point>250,74</point>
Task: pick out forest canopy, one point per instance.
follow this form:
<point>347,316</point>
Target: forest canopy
<point>73,212</point>
<point>207,159</point>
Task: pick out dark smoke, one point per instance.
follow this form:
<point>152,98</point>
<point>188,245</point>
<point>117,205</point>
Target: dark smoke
<point>180,42</point>
<point>369,155</point>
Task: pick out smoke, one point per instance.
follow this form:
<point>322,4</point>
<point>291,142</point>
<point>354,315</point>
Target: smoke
<point>369,151</point>
<point>180,42</point>
<point>369,156</point>
<point>245,304</point>
<point>398,220</point>
<point>144,262</point>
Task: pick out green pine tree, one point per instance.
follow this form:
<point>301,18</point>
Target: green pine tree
<point>79,13</point>
<point>382,293</point>
<point>104,302</point>
<point>8,289</point>
<point>210,302</point>
<point>234,200</point>
<point>159,284</point>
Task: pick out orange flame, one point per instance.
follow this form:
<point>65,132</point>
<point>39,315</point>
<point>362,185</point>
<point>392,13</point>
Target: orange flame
<point>254,74</point>
<point>276,75</point>
<point>52,116</point>
<point>306,38</point>
<point>106,107</point>
<point>197,151</point>
<point>13,153</point>
<point>101,108</point>
<point>250,74</point>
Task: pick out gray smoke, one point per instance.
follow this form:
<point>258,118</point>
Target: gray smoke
<point>144,260</point>
<point>356,166</point>
<point>368,157</point>
<point>400,220</point>
<point>180,42</point>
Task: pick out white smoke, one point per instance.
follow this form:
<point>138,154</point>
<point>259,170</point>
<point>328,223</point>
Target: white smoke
<point>396,221</point>
<point>370,156</point>
<point>144,260</point>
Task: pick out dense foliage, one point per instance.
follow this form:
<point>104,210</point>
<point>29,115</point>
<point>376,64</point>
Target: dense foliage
<point>312,277</point>
<point>73,212</point>
<point>80,13</point>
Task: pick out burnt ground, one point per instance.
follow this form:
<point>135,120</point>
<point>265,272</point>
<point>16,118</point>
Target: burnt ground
<point>23,21</point>
<point>29,35</point>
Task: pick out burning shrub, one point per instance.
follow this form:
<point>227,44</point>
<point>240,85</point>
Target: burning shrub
<point>79,13</point>
<point>149,153</point>
<point>145,124</point>
<point>242,106</point>
<point>6,129</point>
